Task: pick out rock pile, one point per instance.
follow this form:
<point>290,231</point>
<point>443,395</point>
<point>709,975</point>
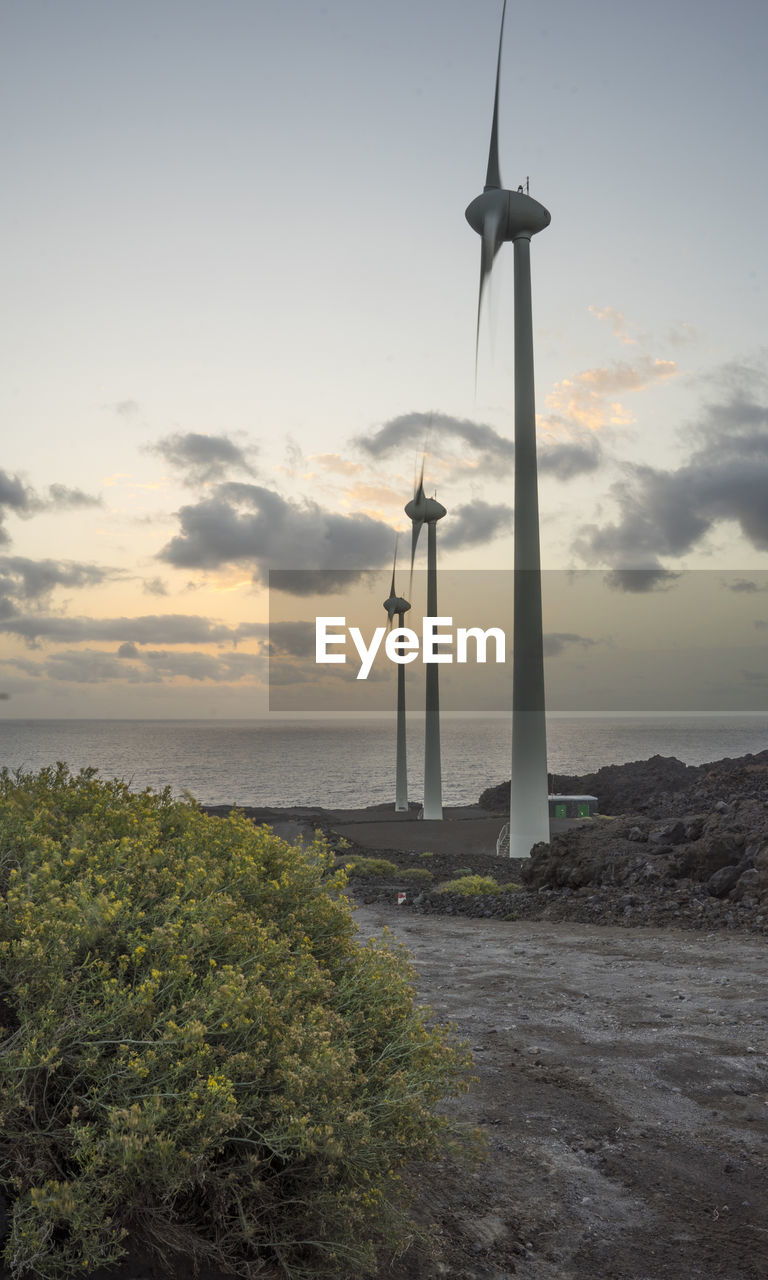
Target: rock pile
<point>652,787</point>
<point>693,839</point>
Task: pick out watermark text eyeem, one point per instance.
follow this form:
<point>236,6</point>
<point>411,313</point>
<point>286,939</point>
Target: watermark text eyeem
<point>403,645</point>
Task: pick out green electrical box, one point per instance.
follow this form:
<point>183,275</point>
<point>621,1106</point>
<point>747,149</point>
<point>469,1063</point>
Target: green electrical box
<point>561,806</point>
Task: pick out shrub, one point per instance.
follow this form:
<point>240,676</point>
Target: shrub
<point>366,868</point>
<point>196,1050</point>
<point>460,872</point>
<point>469,885</point>
<point>419,874</point>
<point>511,887</point>
<point>426,855</point>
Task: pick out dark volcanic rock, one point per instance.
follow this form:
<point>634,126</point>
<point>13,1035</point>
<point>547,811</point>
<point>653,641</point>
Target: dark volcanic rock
<point>702,858</point>
<point>659,786</point>
<point>671,833</point>
<point>746,885</point>
<point>723,881</point>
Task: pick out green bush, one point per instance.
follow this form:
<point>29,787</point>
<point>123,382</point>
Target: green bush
<point>196,1050</point>
<point>369,867</point>
<point>419,874</point>
<point>469,885</point>
<point>511,887</point>
<point>460,872</point>
<point>426,855</point>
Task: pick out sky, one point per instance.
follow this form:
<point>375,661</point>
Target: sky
<point>239,304</point>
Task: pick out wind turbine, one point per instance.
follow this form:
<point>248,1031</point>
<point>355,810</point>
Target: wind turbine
<point>499,215</point>
<point>395,604</point>
<point>427,511</point>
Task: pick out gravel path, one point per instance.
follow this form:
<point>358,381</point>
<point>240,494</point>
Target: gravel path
<point>623,1088</point>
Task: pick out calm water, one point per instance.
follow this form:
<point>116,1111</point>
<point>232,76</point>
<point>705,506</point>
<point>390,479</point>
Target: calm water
<point>351,762</point>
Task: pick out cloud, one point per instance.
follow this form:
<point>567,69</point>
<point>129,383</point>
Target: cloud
<point>617,322</point>
<point>200,458</point>
<point>474,524</point>
<point>556,642</point>
<point>221,667</point>
<point>746,585</point>
<point>25,580</point>
<point>61,498</point>
<point>640,580</point>
<point>94,666</point>
<point>87,666</point>
<point>13,492</point>
<point>334,463</point>
<point>20,498</point>
<point>155,587</point>
<point>296,639</point>
<point>414,431</point>
<point>314,582</point>
<point>589,401</point>
<point>725,479</point>
<point>562,459</point>
<point>566,459</point>
<point>170,628</point>
<point>375,496</point>
<point>126,408</point>
<point>249,525</point>
<point>14,496</point>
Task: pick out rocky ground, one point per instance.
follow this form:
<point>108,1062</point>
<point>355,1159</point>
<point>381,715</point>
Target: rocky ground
<point>675,844</point>
<point>622,1072</point>
<point>622,1088</point>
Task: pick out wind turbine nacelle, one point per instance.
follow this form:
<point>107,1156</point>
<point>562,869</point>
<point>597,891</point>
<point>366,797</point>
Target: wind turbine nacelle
<point>426,510</point>
<point>396,604</point>
<point>516,213</point>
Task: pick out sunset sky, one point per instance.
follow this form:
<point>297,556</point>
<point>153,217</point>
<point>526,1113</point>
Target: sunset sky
<point>239,302</point>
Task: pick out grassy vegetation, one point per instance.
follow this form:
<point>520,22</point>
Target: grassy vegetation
<point>369,868</point>
<point>470,885</point>
<point>418,874</point>
<point>195,1047</point>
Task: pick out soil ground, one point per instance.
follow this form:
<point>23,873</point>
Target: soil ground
<point>623,1089</point>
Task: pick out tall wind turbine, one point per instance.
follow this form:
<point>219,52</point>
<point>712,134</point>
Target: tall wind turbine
<point>499,215</point>
<point>427,511</point>
<point>396,605</point>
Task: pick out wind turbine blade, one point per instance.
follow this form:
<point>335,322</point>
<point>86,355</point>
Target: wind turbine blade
<point>416,530</point>
<point>493,175</point>
<point>489,246</point>
<point>417,522</point>
<point>392,594</point>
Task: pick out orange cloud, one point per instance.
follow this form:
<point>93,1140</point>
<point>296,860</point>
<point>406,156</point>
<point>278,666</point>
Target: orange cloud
<point>335,463</point>
<point>588,400</point>
<point>617,321</point>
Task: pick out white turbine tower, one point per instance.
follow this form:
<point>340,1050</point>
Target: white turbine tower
<point>498,215</point>
<point>422,510</point>
<point>396,605</point>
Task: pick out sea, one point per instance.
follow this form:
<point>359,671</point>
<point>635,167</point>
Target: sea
<point>349,763</point>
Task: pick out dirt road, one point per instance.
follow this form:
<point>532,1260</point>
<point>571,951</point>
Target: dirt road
<point>623,1088</point>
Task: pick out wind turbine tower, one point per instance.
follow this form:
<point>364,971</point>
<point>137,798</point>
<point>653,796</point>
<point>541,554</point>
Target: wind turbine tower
<point>422,510</point>
<point>396,605</point>
<point>497,216</point>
